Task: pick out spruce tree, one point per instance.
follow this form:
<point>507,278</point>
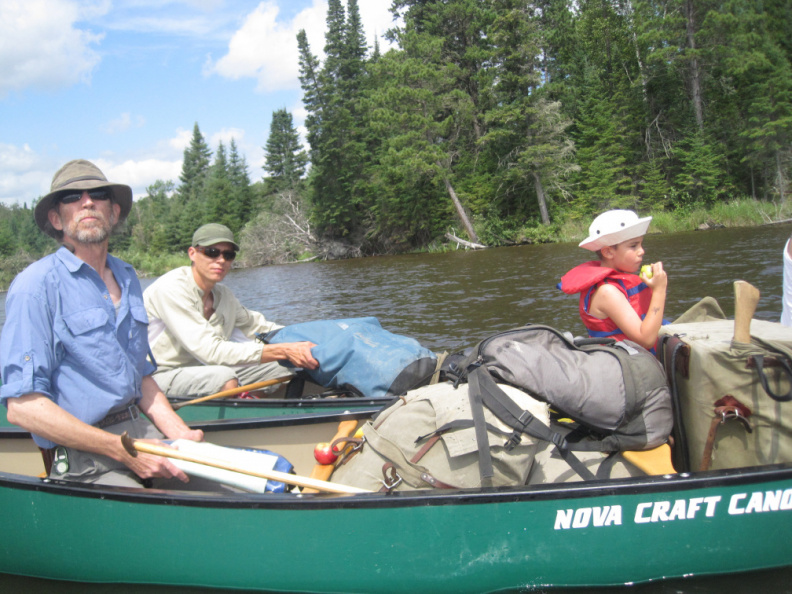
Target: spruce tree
<point>285,159</point>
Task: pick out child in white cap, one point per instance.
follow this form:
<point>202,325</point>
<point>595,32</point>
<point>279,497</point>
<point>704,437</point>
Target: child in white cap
<point>615,301</point>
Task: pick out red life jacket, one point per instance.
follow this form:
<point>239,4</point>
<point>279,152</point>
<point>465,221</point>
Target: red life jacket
<point>588,277</point>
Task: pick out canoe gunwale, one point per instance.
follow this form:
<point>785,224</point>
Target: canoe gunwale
<point>523,493</point>
<point>307,402</point>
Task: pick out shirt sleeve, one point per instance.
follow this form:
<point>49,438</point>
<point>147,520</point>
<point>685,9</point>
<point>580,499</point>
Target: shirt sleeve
<point>27,347</point>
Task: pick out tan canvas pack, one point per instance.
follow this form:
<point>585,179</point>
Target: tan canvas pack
<point>403,451</point>
<point>732,399</point>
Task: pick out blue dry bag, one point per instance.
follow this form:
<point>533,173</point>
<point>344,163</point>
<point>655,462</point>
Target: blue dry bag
<point>358,354</point>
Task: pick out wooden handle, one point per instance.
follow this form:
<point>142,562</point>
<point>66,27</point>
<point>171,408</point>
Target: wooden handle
<point>133,446</point>
<point>234,391</point>
<point>746,296</point>
<point>323,471</point>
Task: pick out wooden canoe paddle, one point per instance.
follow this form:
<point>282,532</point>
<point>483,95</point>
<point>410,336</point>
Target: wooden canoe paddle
<point>323,471</point>
<point>234,391</point>
<point>133,446</point>
<point>746,296</point>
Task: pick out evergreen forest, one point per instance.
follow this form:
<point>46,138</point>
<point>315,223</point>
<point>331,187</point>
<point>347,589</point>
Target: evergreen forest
<point>495,121</point>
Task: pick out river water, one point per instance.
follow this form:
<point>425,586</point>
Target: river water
<point>450,301</point>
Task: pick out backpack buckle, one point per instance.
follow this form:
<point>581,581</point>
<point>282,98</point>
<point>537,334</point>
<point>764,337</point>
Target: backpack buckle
<point>513,441</point>
<point>391,478</point>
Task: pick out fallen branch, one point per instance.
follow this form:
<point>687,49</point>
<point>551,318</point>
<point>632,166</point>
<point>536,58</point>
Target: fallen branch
<point>465,244</point>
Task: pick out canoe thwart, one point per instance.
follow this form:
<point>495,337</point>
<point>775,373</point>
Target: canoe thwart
<point>656,461</point>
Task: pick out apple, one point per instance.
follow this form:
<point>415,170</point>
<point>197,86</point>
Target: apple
<point>324,454</point>
<point>646,270</point>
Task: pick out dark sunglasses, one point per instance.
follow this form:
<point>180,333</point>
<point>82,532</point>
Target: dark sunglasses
<point>76,196</point>
<point>214,253</point>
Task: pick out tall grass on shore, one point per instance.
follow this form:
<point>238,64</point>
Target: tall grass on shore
<point>734,213</point>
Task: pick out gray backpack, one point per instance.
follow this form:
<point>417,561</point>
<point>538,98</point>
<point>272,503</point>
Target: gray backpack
<point>618,390</point>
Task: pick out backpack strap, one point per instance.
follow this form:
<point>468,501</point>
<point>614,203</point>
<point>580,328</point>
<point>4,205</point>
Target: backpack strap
<point>522,421</point>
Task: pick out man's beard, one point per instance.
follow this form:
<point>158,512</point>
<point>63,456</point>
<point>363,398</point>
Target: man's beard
<point>96,231</point>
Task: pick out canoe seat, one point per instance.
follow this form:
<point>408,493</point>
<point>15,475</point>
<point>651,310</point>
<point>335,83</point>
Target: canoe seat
<point>656,461</point>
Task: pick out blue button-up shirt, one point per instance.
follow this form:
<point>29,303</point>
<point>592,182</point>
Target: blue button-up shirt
<point>64,338</point>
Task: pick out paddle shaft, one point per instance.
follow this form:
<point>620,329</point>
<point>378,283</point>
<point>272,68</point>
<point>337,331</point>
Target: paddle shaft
<point>274,475</point>
<point>234,391</point>
<point>746,296</point>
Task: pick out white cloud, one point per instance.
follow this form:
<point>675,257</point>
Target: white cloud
<point>140,174</point>
<point>40,46</point>
<point>265,48</point>
<point>124,122</point>
<point>225,135</point>
<point>24,174</point>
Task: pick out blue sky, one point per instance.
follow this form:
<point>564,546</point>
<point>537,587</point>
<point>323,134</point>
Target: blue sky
<point>121,83</point>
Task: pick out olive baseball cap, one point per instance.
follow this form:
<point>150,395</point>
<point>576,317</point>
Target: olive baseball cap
<point>213,233</point>
<point>75,176</point>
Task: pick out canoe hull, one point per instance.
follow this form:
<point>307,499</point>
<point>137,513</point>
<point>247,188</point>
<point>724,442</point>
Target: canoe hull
<point>594,534</point>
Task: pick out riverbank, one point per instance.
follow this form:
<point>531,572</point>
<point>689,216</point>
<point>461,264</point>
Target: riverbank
<point>734,213</point>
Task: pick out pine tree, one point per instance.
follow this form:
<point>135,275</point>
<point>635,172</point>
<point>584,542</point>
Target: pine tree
<point>285,159</point>
<point>220,207</point>
<point>242,193</point>
<point>189,205</point>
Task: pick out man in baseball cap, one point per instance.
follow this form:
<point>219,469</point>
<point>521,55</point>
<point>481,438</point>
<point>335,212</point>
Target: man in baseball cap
<point>202,337</point>
<point>74,347</point>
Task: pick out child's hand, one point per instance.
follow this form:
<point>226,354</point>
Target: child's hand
<point>658,278</point>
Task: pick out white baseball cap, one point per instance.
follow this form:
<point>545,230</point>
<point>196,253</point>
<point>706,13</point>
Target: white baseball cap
<point>614,226</point>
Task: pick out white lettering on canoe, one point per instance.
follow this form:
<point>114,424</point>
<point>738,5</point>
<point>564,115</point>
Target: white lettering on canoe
<point>652,512</point>
<point>681,509</point>
<point>583,517</point>
<point>758,502</point>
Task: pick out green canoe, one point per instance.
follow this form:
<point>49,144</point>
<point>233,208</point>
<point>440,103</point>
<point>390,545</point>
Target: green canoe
<point>595,533</point>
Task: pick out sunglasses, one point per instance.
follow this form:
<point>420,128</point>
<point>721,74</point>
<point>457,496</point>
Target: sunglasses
<point>213,253</point>
<point>94,194</point>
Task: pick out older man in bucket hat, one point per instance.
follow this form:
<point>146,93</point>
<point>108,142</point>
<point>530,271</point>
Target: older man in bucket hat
<point>202,337</point>
<point>74,346</point>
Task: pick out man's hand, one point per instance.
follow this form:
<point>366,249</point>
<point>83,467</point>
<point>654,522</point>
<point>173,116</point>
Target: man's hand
<point>148,466</point>
<point>297,353</point>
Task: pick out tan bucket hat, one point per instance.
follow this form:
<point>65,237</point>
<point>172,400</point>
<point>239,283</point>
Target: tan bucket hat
<point>74,176</point>
<point>614,226</point>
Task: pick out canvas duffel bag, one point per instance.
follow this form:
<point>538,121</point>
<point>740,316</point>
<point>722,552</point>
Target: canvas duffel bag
<point>733,400</point>
<point>403,450</point>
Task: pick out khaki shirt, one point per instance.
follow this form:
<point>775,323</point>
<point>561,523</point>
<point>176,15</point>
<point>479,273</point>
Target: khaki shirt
<point>180,336</point>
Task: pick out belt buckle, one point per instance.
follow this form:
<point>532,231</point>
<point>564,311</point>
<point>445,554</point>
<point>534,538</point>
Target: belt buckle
<point>134,412</point>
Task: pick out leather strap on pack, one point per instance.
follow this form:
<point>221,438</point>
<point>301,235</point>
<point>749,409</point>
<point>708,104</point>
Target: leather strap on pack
<point>727,408</point>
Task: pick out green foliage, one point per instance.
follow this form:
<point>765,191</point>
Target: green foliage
<point>526,118</point>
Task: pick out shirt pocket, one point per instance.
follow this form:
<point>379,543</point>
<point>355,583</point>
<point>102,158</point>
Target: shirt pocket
<point>90,341</point>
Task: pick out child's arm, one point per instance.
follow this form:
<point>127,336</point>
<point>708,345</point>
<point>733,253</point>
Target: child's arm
<point>610,302</point>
